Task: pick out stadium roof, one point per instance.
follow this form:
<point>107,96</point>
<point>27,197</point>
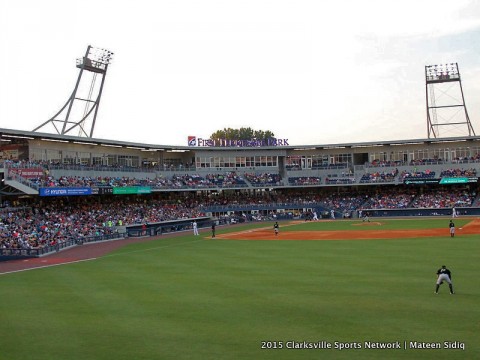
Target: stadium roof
<point>31,135</point>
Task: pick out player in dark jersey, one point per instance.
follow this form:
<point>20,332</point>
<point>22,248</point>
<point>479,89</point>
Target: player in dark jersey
<point>213,229</point>
<point>451,226</point>
<point>443,274</point>
<point>276,228</point>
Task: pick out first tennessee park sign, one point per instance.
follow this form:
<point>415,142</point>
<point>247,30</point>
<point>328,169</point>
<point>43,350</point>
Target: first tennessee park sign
<point>194,141</point>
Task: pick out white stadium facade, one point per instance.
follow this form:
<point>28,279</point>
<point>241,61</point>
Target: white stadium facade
<point>331,165</point>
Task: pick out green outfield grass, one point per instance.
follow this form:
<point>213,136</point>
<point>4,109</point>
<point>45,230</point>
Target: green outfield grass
<point>196,298</point>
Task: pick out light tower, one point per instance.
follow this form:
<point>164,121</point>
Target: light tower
<point>445,102</point>
<point>81,109</point>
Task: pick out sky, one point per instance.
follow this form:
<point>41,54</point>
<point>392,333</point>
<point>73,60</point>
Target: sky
<point>313,72</point>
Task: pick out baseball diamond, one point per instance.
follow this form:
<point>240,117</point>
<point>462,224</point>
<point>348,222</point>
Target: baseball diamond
<point>236,180</point>
<point>114,230</point>
<point>238,249</point>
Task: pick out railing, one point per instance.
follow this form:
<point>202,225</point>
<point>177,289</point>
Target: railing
<point>272,206</point>
<point>22,181</point>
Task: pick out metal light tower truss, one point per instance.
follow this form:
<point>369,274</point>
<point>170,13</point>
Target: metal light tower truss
<point>446,108</point>
<point>81,109</point>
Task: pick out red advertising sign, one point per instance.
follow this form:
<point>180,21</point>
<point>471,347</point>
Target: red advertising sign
<point>27,173</point>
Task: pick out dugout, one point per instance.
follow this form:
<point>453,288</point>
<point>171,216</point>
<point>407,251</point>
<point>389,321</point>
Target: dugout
<point>159,228</point>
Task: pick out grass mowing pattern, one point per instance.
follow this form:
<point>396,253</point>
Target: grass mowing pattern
<point>185,298</point>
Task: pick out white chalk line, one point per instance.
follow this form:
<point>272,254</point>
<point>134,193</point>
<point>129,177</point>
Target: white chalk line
<point>46,266</point>
<point>150,249</point>
<point>99,258</point>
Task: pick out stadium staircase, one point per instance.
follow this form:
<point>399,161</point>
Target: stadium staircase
<point>21,186</point>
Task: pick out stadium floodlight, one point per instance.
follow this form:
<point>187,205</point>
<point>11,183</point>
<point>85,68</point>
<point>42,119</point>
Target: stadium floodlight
<point>442,73</point>
<point>445,101</point>
<point>95,61</point>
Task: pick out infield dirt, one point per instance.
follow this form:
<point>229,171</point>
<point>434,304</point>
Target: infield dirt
<point>472,227</point>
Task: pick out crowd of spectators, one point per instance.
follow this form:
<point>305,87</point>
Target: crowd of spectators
<point>263,179</point>
<point>176,181</point>
<point>52,221</point>
<point>36,222</point>
<point>304,180</point>
<point>344,202</point>
<point>384,163</point>
<point>390,199</point>
<point>415,174</point>
<point>229,179</point>
<point>441,198</point>
<point>379,177</point>
<point>458,172</point>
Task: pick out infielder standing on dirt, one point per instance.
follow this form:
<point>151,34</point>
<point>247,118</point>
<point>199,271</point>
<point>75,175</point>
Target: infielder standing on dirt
<point>444,275</point>
<point>451,225</point>
<point>213,229</point>
<point>276,228</point>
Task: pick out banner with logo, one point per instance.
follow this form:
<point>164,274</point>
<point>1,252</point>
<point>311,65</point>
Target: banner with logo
<point>27,173</point>
<point>458,180</point>
<point>65,191</point>
<point>271,142</point>
<point>131,190</point>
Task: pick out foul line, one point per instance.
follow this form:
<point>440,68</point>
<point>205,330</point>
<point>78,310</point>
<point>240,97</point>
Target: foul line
<point>98,258</point>
<point>46,266</point>
<point>149,249</point>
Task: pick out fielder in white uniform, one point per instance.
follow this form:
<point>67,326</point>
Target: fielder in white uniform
<point>195,228</point>
<point>454,213</point>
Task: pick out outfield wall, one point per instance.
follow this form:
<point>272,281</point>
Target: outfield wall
<point>15,254</point>
<point>422,212</point>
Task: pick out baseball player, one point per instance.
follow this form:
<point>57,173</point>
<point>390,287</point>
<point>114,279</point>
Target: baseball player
<point>454,213</point>
<point>444,275</point>
<point>451,225</point>
<point>276,228</point>
<point>213,229</point>
<point>195,228</point>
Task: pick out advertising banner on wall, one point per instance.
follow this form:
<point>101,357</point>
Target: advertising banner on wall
<point>27,173</point>
<point>65,191</point>
<point>132,190</point>
<point>458,180</point>
<point>421,181</point>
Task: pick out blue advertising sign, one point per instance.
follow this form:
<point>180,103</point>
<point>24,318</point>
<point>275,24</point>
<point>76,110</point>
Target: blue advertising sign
<point>65,191</point>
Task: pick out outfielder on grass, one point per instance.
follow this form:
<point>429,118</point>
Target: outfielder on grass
<point>444,275</point>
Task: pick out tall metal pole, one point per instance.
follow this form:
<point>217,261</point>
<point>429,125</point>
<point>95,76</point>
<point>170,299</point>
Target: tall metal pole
<point>95,61</point>
<point>435,76</point>
<point>98,102</point>
<point>74,92</point>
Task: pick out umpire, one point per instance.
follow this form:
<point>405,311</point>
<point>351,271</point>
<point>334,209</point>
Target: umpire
<point>444,275</point>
